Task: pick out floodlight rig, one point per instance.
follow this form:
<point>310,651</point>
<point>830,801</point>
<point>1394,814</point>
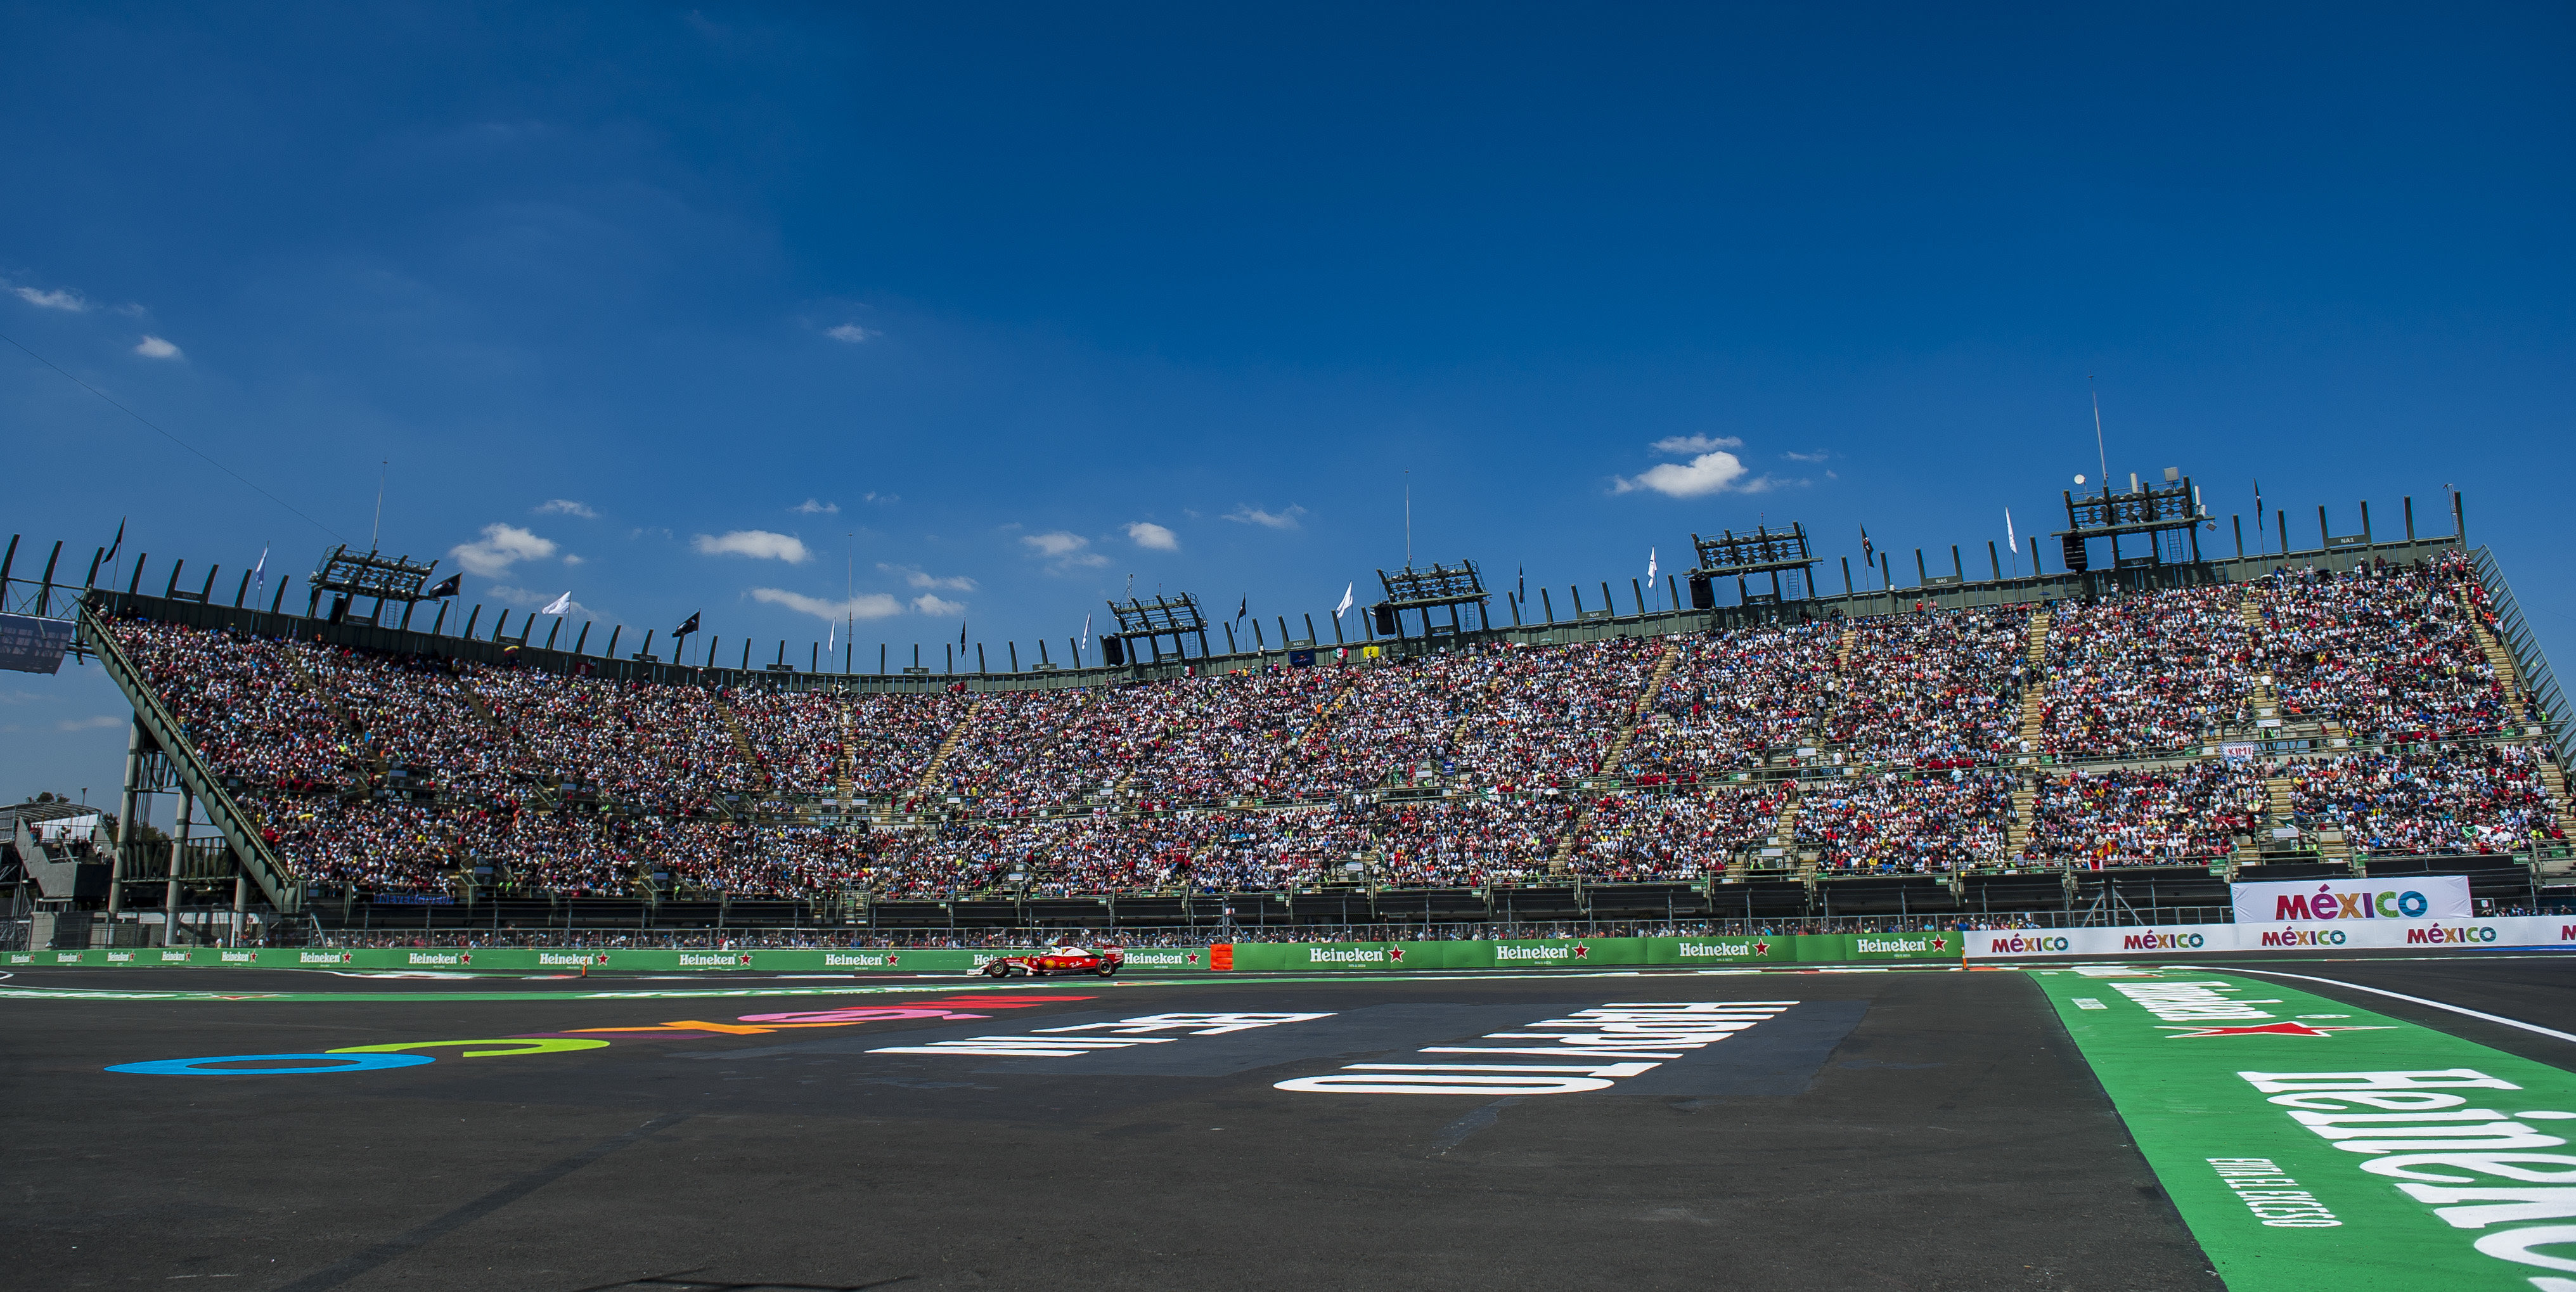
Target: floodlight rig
<point>2144,509</point>
<point>1428,590</point>
<point>350,575</point>
<point>1176,619</point>
<point>1764,551</point>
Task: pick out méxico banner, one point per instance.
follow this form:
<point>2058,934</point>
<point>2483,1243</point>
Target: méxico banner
<point>2323,901</point>
<point>2186,939</point>
<point>2315,1146</point>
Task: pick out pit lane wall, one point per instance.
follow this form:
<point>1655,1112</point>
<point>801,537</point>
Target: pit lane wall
<point>2338,935</point>
<point>1237,957</point>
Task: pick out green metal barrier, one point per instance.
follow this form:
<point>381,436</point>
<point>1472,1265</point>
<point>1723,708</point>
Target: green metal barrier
<point>1238,957</point>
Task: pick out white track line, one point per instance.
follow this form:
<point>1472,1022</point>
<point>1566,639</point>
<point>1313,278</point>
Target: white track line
<point>2399,995</point>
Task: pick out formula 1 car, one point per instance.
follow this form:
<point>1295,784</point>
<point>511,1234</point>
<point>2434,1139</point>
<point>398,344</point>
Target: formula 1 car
<point>1064,957</point>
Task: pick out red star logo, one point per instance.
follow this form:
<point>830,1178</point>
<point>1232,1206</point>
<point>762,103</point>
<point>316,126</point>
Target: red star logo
<point>1395,954</point>
<point>746,960</point>
<point>1938,943</point>
<point>1761,948</point>
<point>1580,951</point>
<point>2268,1029</point>
<point>465,960</point>
<point>892,961</point>
<point>1192,957</point>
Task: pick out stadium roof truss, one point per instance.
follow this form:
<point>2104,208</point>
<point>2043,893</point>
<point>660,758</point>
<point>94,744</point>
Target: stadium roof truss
<point>2145,509</point>
<point>1764,550</point>
<point>1441,585</point>
<point>370,574</point>
<point>1160,618</point>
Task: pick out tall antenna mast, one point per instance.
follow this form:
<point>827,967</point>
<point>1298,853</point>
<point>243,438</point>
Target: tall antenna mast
<point>382,466</point>
<point>2098,450</point>
<point>1408,519</point>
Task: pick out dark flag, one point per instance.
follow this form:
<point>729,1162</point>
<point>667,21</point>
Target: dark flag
<point>1868,554</point>
<point>1242,608</point>
<point>961,634</point>
<point>687,628</point>
<point>447,587</point>
<point>112,548</point>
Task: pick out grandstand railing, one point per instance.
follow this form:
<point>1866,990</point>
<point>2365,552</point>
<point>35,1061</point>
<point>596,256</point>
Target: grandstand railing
<point>2516,633</point>
<point>252,852</point>
<point>206,609</point>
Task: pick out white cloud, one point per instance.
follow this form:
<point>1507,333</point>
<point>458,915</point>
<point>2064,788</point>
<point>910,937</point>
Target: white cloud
<point>500,547</point>
<point>575,560</point>
<point>936,608</point>
<point>1817,456</point>
<point>1065,549</point>
<point>59,299</point>
<point>565,507</point>
<point>756,543</point>
<point>913,574</point>
<point>90,724</point>
<point>880,497</point>
<point>1148,534</point>
<point>874,605</point>
<point>153,347</point>
<point>812,507</point>
<point>1709,473</point>
<point>1686,445</point>
<point>1248,514</point>
<point>852,333</point>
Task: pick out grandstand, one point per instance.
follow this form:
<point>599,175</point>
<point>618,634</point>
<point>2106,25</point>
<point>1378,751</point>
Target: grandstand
<point>2097,743</point>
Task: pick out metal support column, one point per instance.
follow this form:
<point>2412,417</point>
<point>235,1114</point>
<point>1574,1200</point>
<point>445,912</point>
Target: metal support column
<point>178,850</point>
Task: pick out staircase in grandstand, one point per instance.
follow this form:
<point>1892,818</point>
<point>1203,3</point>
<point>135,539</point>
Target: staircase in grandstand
<point>2267,702</point>
<point>545,786</point>
<point>1610,762</point>
<point>762,784</point>
<point>359,750</point>
<point>846,768</point>
<point>2025,809</point>
<point>930,774</point>
<point>2034,697</point>
<point>2498,658</point>
<point>1780,851</point>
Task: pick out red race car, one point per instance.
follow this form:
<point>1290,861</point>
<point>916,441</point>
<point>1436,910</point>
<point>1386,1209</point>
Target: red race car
<point>1064,957</point>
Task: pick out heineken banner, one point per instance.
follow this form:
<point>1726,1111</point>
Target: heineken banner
<point>1240,957</point>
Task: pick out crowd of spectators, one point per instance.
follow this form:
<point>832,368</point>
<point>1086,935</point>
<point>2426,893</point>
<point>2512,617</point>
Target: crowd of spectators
<point>1931,688</point>
<point>2147,674</point>
<point>2144,816</point>
<point>403,773</point>
<point>2386,651</point>
<point>1899,824</point>
<point>1684,836</point>
<point>2482,799</point>
<point>1734,698</point>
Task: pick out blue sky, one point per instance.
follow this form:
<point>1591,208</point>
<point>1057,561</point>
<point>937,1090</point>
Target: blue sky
<point>980,311</point>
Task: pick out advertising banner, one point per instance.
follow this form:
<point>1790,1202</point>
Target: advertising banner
<point>2050,944</point>
<point>2324,901</point>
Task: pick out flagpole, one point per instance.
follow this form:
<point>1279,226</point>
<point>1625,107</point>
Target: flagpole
<point>2098,450</point>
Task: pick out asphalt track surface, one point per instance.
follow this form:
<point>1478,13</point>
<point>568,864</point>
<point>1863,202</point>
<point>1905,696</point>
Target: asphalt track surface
<point>1918,1130</point>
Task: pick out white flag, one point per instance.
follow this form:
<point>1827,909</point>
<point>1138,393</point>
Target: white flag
<point>2009,540</point>
<point>558,605</point>
<point>831,636</point>
<point>1086,630</point>
<point>1345,607</point>
<point>260,571</point>
<point>1650,565</point>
